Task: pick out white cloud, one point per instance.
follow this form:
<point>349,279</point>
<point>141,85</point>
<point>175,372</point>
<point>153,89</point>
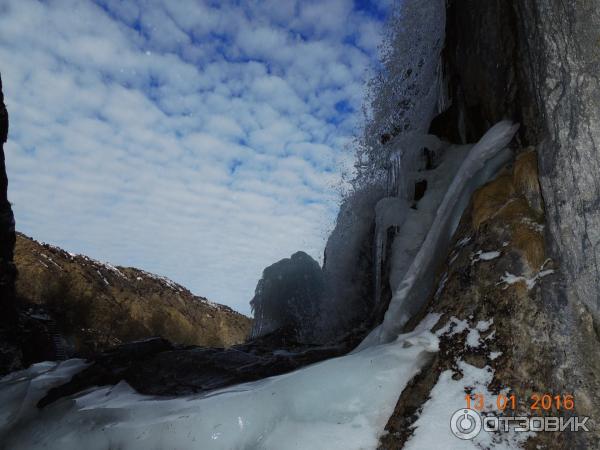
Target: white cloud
<point>199,140</point>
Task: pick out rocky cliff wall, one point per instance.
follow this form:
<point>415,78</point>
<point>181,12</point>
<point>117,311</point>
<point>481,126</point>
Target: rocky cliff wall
<point>7,228</point>
<point>563,41</point>
<point>537,62</point>
<point>8,315</point>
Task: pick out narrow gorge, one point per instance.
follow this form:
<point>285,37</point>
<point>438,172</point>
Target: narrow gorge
<point>463,266</point>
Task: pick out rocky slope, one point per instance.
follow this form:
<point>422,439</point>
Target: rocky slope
<point>96,306</point>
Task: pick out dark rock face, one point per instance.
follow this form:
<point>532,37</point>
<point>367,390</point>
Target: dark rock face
<point>7,227</point>
<point>10,356</point>
<point>488,68</point>
<point>157,367</point>
<point>537,62</point>
<point>478,60</point>
<point>288,296</point>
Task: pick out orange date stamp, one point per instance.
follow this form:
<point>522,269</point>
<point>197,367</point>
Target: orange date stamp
<point>536,402</point>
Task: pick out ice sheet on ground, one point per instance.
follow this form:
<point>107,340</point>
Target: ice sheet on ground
<point>340,403</point>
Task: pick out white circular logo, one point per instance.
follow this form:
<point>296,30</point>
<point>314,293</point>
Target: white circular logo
<point>465,424</point>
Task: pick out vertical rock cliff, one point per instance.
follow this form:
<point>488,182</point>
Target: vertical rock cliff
<point>537,62</point>
<point>7,226</point>
<point>7,244</point>
<point>8,317</point>
<point>562,40</point>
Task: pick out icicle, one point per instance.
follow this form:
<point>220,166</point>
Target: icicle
<point>443,101</point>
<point>389,212</point>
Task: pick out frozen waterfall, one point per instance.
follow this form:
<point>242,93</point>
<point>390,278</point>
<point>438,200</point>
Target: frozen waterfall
<point>483,160</point>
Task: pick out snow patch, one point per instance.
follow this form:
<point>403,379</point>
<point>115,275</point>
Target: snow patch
<point>50,260</point>
<point>464,241</point>
<point>103,278</point>
<point>114,269</point>
<point>510,279</point>
<point>441,286</point>
<point>495,355</point>
<point>484,256</point>
<point>484,325</point>
<point>163,280</point>
<point>473,338</point>
<point>452,327</point>
<point>455,326</point>
<point>432,428</point>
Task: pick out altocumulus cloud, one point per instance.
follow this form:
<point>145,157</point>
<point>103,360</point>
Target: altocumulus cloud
<point>200,140</point>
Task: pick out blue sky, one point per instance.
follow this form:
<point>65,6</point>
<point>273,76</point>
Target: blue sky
<point>200,140</point>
